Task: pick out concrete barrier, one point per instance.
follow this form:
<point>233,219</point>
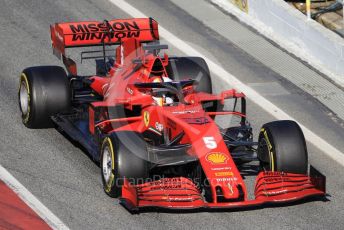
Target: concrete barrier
<point>289,28</point>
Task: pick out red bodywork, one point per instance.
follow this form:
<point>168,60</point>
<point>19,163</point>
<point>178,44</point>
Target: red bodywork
<point>118,88</point>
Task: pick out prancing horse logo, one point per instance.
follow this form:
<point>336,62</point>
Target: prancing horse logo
<point>146,118</point>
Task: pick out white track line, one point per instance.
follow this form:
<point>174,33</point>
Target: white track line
<point>253,95</point>
<point>53,221</point>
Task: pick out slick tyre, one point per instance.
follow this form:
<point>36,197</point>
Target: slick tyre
<point>195,68</point>
<point>282,147</point>
<point>43,92</point>
<point>123,155</point>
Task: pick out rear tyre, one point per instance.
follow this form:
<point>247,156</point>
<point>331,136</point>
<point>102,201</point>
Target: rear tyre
<point>123,155</point>
<point>195,68</point>
<point>282,147</point>
<point>43,92</point>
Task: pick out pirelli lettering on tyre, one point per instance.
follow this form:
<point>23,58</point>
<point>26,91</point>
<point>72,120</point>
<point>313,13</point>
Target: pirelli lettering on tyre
<point>271,154</point>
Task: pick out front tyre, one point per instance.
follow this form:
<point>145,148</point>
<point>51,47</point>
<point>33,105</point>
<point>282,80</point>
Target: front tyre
<point>109,164</point>
<point>282,147</point>
<point>123,155</point>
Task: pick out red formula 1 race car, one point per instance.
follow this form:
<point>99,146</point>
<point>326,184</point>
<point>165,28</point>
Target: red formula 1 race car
<point>149,120</point>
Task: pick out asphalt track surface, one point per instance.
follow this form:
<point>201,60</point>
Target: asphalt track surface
<point>68,182</point>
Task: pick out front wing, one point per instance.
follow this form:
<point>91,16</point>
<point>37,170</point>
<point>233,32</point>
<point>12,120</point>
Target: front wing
<point>181,193</point>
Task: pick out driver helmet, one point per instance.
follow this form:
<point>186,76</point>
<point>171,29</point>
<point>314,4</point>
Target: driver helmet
<point>163,100</point>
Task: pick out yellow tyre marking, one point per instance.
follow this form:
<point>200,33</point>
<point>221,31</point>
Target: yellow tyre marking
<point>272,164</point>
<point>27,115</point>
<point>112,176</point>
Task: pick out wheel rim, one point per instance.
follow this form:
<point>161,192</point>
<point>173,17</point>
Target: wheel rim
<point>107,164</point>
<point>24,98</point>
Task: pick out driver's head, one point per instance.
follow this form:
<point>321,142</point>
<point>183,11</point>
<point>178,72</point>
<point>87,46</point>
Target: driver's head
<point>158,100</point>
<point>163,99</point>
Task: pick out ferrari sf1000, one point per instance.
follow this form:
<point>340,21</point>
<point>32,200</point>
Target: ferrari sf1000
<point>153,124</point>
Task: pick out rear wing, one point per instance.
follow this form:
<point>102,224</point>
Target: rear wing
<point>95,33</point>
<point>92,33</point>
